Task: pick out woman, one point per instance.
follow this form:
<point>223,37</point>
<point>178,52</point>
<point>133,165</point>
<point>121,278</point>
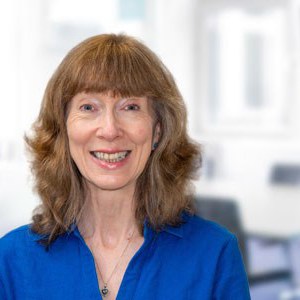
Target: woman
<point>113,166</point>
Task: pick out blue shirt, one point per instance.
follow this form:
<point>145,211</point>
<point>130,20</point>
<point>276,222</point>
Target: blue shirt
<point>196,260</point>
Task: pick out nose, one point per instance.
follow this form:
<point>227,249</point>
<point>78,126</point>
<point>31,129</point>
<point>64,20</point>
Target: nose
<point>108,126</point>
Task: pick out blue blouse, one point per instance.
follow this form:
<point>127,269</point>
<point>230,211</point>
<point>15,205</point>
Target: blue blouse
<point>196,260</point>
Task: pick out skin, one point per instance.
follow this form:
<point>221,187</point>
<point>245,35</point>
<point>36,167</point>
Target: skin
<point>103,123</point>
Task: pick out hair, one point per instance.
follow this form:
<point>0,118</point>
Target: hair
<point>124,66</point>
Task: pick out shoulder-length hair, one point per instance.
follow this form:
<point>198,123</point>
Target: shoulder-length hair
<point>124,66</point>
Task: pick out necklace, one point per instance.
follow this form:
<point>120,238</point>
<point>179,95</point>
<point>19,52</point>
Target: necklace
<point>105,290</point>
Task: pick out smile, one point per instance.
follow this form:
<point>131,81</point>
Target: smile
<point>110,157</point>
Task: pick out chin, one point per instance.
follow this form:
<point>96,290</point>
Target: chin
<point>111,185</point>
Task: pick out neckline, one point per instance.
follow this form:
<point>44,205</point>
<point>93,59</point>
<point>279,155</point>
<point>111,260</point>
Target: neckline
<point>148,234</point>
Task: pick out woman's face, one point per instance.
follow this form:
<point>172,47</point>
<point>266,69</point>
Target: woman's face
<point>110,138</point>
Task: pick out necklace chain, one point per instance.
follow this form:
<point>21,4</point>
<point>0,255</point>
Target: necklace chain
<point>105,290</point>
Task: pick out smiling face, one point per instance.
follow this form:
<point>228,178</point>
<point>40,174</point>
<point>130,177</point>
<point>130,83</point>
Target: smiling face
<point>110,138</point>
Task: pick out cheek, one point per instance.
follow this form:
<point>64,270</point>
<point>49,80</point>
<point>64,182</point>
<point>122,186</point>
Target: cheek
<point>77,134</point>
<point>76,146</point>
<point>143,135</point>
<point>74,139</point>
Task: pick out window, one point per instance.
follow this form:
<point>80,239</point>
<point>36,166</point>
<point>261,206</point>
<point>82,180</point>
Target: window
<point>247,69</point>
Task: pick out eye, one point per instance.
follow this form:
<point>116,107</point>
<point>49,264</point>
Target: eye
<point>87,107</point>
<point>132,107</point>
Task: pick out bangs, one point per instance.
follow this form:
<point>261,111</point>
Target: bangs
<point>114,67</point>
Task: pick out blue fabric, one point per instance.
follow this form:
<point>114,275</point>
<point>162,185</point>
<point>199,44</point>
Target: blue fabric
<point>197,260</point>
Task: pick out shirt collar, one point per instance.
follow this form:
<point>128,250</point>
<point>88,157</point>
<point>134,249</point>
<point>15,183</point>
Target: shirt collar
<point>174,230</point>
<point>34,236</point>
<point>179,229</point>
<point>148,231</point>
<point>38,237</point>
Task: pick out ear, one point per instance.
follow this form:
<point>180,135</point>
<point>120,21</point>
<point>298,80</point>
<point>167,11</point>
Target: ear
<point>157,131</point>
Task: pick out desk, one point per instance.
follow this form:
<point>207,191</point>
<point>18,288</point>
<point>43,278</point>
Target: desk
<point>265,209</point>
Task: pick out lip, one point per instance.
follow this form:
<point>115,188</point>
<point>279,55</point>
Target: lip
<point>107,165</point>
<point>110,150</point>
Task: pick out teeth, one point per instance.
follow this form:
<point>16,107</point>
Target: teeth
<point>110,157</point>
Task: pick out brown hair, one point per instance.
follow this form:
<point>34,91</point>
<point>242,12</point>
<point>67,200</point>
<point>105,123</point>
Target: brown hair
<point>124,66</point>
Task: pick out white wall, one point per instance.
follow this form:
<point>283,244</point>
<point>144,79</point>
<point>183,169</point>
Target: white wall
<point>37,34</point>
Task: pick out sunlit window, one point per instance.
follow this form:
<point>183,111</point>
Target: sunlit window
<point>248,69</point>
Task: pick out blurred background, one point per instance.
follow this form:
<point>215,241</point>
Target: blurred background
<point>237,64</point>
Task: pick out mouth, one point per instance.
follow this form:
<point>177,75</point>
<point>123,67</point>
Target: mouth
<point>110,157</point>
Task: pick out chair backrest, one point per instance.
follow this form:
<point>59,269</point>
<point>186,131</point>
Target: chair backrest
<point>285,174</point>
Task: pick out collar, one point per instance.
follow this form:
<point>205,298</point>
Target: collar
<point>148,231</point>
<point>35,236</point>
<point>177,231</point>
<point>174,230</point>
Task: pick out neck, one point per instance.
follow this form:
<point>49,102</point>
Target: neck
<point>109,217</point>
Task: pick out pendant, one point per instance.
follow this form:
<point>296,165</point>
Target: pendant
<point>104,291</point>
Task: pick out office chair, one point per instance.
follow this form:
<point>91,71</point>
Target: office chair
<point>225,211</point>
<point>285,174</point>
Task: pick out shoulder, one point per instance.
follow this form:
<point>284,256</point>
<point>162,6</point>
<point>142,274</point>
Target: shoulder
<point>203,235</point>
<point>19,241</point>
<point>15,235</point>
<point>15,239</point>
<point>217,251</point>
<point>15,232</point>
<point>21,251</point>
<point>19,233</point>
<point>197,229</point>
